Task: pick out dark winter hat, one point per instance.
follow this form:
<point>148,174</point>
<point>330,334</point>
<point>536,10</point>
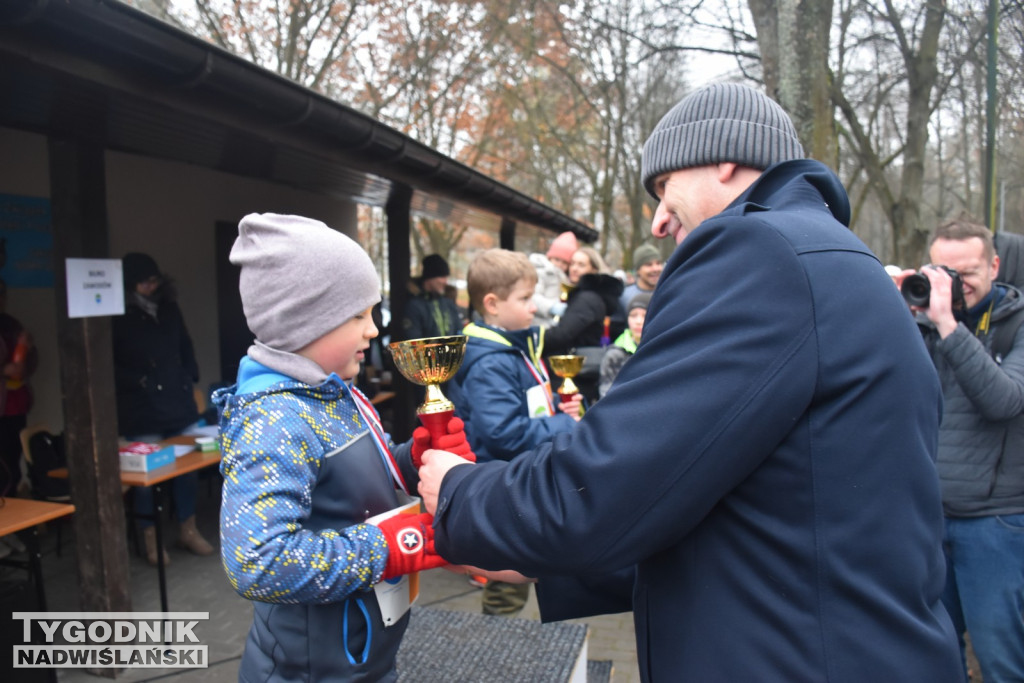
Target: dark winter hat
<point>644,254</point>
<point>434,266</point>
<point>639,300</point>
<point>138,267</point>
<point>718,123</point>
<point>300,279</point>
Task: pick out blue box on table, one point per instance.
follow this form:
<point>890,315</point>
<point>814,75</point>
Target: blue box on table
<point>143,457</point>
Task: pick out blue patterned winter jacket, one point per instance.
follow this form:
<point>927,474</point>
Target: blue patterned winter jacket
<point>301,475</point>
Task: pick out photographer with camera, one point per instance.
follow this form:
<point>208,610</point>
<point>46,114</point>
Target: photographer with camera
<point>972,328</point>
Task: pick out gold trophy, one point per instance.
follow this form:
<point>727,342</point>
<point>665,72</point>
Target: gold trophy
<point>429,362</point>
<point>565,289</point>
<point>566,367</point>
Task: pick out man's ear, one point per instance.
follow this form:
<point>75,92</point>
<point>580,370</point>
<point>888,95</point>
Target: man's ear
<point>726,170</point>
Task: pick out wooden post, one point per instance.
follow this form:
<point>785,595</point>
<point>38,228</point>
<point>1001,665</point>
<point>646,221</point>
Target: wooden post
<point>507,234</point>
<point>78,200</point>
<point>399,220</point>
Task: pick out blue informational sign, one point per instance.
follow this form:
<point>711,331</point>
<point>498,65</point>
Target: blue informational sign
<point>26,238</point>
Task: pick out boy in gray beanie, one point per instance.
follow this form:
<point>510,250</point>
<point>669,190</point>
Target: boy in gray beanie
<point>306,463</point>
<point>763,461</point>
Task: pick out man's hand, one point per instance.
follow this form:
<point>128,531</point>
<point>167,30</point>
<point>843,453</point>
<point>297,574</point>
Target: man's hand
<point>435,465</point>
<point>903,275</point>
<point>453,442</point>
<point>410,545</point>
<point>503,575</point>
<point>940,301</point>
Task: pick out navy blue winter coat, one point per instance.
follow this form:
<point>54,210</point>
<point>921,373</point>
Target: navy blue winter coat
<point>489,393</point>
<point>766,460</point>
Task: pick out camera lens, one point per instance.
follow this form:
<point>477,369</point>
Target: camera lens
<point>916,289</point>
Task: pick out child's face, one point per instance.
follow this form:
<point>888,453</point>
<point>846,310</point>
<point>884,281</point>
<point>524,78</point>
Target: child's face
<point>515,312</point>
<point>341,349</point>
<point>636,322</point>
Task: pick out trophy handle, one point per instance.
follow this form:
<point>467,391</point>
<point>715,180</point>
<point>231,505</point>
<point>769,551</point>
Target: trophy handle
<point>436,424</point>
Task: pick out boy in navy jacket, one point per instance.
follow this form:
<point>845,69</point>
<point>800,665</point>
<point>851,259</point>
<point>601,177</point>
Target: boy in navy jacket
<point>502,389</point>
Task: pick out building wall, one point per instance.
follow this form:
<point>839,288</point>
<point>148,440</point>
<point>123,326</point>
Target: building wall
<point>167,210</point>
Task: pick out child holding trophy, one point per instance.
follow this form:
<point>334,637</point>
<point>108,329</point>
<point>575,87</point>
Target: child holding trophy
<point>306,465</point>
<point>502,390</point>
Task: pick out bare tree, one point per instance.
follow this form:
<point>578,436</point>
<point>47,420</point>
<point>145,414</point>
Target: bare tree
<point>308,41</point>
<point>794,39</point>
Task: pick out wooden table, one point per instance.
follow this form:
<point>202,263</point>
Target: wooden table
<point>190,462</point>
<point>18,514</point>
<point>381,397</point>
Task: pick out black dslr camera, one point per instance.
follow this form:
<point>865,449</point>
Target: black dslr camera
<point>917,288</point>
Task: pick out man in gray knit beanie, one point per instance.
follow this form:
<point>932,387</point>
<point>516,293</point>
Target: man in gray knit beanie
<point>730,129</point>
<point>766,465</point>
<point>721,122</point>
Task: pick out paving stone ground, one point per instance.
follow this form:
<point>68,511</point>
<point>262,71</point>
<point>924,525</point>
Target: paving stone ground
<point>198,584</point>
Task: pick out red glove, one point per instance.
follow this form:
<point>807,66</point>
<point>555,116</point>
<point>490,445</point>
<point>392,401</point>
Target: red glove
<point>453,442</point>
<point>410,544</point>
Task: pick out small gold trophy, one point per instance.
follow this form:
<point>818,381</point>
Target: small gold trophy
<point>564,291</point>
<point>566,367</point>
<point>429,362</point>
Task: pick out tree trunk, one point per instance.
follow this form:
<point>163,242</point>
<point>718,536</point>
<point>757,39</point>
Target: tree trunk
<point>793,36</point>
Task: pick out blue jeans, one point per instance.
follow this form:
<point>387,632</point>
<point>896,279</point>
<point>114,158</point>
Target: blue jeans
<point>984,591</point>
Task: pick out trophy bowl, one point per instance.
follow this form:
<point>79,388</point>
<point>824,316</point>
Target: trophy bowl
<point>429,362</point>
<point>566,366</point>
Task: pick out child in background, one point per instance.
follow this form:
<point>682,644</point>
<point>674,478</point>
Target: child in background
<point>306,463</point>
<point>552,276</point>
<point>502,390</point>
<point>625,345</point>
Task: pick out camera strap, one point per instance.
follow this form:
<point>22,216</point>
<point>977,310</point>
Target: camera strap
<point>981,329</point>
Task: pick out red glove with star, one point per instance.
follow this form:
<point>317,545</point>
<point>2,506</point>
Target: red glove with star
<point>453,442</point>
<point>410,544</point>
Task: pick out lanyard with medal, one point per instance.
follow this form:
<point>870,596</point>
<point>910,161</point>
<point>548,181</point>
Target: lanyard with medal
<point>394,596</point>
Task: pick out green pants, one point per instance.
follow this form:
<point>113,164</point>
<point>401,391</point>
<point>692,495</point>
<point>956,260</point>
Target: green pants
<point>505,599</point>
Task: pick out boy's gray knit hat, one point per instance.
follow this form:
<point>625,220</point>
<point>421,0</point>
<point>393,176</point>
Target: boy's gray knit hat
<point>719,123</point>
<point>300,279</point>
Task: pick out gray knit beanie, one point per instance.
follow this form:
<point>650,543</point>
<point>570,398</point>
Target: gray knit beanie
<point>719,123</point>
<point>300,279</point>
<point>644,254</point>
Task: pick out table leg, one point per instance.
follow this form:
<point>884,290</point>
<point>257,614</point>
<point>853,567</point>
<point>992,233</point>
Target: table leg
<point>36,566</point>
<point>158,507</point>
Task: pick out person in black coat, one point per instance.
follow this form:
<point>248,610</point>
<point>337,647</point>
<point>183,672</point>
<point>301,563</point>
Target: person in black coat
<point>155,371</point>
<point>593,299</point>
<point>595,296</point>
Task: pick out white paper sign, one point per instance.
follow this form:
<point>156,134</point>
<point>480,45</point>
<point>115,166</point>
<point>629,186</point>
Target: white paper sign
<point>95,287</point>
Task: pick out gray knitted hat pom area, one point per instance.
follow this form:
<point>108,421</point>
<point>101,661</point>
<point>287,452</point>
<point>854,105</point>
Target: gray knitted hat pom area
<point>724,122</point>
<point>300,278</point>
